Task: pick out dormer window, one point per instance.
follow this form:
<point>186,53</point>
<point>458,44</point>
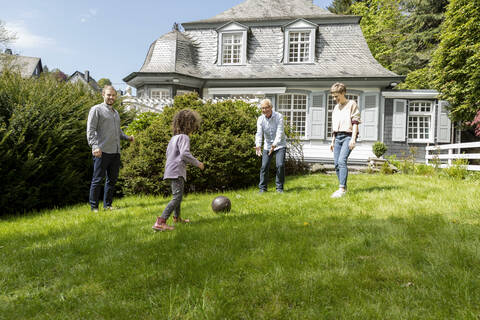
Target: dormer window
<point>232,44</point>
<point>299,42</point>
<point>232,48</point>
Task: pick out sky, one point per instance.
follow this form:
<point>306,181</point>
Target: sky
<point>108,38</point>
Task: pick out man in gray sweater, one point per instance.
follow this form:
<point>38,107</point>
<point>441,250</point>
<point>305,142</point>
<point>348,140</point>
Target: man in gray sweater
<point>103,135</point>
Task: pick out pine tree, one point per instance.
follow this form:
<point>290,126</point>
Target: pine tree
<point>421,28</point>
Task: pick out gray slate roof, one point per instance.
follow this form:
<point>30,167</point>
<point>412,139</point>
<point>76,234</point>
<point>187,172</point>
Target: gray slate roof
<point>172,52</point>
<point>341,51</point>
<point>25,65</point>
<point>269,10</point>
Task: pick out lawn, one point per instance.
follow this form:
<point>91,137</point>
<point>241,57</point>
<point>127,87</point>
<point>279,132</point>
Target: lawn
<point>396,247</point>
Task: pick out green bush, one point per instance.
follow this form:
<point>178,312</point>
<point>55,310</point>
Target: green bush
<point>458,170</point>
<point>141,122</point>
<point>224,144</point>
<point>379,149</point>
<point>44,155</point>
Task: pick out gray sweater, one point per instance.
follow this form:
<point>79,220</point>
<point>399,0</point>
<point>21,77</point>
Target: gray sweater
<point>103,129</point>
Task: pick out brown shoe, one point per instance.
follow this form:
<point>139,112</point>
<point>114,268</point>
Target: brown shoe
<point>161,225</point>
<point>180,220</point>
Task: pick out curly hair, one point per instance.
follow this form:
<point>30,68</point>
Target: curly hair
<point>186,121</point>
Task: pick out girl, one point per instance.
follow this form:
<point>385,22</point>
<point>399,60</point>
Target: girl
<point>178,155</point>
<point>345,120</point>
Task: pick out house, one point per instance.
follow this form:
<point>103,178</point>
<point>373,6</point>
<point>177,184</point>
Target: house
<point>290,51</point>
<point>84,78</point>
<point>28,67</point>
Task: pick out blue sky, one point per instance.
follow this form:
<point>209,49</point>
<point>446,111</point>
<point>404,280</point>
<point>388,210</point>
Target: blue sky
<point>108,38</point>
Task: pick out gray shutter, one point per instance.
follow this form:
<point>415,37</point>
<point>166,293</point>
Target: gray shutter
<point>317,116</point>
<point>399,121</point>
<point>444,124</point>
<point>369,118</point>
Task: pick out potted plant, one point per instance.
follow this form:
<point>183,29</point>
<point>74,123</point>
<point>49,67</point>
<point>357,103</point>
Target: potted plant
<point>379,149</point>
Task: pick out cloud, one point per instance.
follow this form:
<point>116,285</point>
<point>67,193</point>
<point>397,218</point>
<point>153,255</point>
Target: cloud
<point>25,39</point>
<point>86,16</point>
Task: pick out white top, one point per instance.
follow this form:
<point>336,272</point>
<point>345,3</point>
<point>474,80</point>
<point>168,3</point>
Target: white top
<point>345,116</point>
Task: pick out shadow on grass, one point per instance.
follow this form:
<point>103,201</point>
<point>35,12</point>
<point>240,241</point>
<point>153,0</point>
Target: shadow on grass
<point>247,266</point>
<point>378,188</point>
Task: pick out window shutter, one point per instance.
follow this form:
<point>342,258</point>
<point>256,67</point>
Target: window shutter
<point>399,121</point>
<point>317,116</point>
<point>369,119</point>
<point>444,124</point>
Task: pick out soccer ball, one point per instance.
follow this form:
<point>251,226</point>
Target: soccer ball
<point>221,204</point>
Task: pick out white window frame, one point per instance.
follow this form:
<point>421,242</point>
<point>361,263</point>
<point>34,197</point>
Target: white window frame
<point>331,105</point>
<point>421,114</point>
<point>232,29</point>
<point>292,112</point>
<point>300,26</point>
<point>163,93</point>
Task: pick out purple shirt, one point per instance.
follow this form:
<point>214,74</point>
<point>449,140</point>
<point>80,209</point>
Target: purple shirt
<point>178,155</point>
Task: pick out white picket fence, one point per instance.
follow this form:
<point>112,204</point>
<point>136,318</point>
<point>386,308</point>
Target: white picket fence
<point>454,151</point>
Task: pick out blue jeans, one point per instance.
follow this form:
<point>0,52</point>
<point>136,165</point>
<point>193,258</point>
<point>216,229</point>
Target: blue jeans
<point>280,165</point>
<point>341,151</point>
<point>109,165</point>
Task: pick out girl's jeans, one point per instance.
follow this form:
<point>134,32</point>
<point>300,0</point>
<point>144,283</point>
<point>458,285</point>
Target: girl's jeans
<point>341,151</point>
<point>174,204</point>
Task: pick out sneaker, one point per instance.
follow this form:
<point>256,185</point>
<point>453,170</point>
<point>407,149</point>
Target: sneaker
<point>180,220</point>
<point>338,194</point>
<point>109,208</point>
<point>262,191</point>
<point>279,191</point>
<point>95,210</point>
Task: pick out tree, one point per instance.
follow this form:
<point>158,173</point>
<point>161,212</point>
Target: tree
<point>5,35</point>
<point>421,30</point>
<point>342,6</point>
<point>456,62</point>
<point>380,26</point>
<point>59,75</point>
<point>104,82</point>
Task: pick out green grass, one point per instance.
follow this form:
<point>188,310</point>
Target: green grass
<point>396,247</point>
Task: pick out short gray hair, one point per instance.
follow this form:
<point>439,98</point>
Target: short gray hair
<point>266,101</point>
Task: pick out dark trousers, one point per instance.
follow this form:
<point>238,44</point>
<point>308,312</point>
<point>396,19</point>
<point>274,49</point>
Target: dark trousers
<point>177,195</point>
<point>107,166</point>
<point>280,165</point>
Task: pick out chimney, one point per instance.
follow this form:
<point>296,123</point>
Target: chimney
<point>8,51</point>
<point>87,76</point>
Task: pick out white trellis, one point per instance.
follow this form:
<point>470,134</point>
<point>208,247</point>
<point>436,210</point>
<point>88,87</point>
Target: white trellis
<point>157,105</point>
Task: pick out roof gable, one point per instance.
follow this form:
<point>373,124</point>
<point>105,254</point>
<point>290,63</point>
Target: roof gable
<point>232,26</point>
<point>300,24</point>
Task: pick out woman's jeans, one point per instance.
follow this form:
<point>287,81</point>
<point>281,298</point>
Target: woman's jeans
<point>280,164</point>
<point>341,151</point>
<point>174,204</point>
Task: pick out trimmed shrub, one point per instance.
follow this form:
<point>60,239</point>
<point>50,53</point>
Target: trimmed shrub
<point>224,143</point>
<point>44,155</point>
<point>379,149</point>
